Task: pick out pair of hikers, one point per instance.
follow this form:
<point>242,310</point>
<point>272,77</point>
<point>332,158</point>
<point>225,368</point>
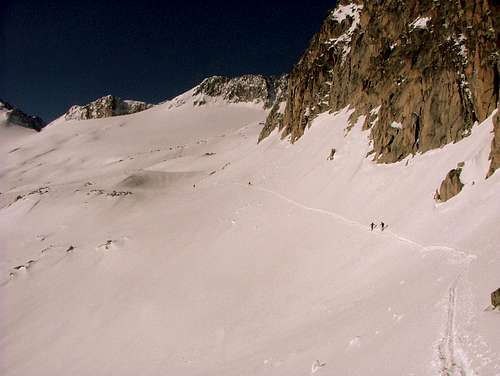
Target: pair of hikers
<point>382,226</point>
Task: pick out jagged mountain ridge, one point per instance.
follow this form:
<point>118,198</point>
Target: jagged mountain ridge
<point>106,106</point>
<point>14,116</point>
<point>421,72</point>
<point>246,88</point>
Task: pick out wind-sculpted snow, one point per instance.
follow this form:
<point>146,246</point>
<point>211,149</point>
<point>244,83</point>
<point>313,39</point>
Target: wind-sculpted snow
<point>169,242</point>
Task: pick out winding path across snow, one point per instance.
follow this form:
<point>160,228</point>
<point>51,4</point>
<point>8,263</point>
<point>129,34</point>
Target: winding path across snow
<point>453,359</point>
<point>465,256</point>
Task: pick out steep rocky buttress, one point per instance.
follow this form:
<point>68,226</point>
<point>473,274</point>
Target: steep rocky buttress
<point>421,71</point>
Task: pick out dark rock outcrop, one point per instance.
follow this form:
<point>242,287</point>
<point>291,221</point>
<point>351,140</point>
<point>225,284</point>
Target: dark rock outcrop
<point>275,117</point>
<point>421,71</point>
<point>105,107</point>
<point>332,154</point>
<point>451,185</point>
<point>495,145</point>
<point>247,88</point>
<point>495,298</point>
<point>14,116</point>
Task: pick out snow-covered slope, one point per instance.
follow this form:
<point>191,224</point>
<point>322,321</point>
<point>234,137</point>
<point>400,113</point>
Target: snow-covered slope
<point>9,132</point>
<point>168,242</point>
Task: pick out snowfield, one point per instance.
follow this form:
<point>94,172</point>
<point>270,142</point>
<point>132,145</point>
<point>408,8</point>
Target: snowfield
<point>169,242</point>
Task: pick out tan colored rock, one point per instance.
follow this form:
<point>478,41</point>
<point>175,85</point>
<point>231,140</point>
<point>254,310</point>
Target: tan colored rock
<point>451,185</point>
<point>495,298</point>
<point>495,145</point>
<point>431,68</point>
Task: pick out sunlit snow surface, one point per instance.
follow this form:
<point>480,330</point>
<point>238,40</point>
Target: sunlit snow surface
<point>197,272</point>
<point>342,12</point>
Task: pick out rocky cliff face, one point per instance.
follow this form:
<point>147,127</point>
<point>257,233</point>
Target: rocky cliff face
<point>247,88</point>
<point>421,71</point>
<point>105,107</point>
<point>14,116</point>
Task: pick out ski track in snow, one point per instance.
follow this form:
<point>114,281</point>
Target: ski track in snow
<point>463,255</point>
<point>454,361</point>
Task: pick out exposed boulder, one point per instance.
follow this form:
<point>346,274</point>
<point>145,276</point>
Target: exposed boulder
<point>451,185</point>
<point>14,116</point>
<point>105,107</point>
<point>495,298</point>
<point>332,154</point>
<point>495,145</point>
<point>247,88</point>
<point>422,72</point>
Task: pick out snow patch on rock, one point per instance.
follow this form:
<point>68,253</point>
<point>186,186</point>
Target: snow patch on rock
<point>420,23</point>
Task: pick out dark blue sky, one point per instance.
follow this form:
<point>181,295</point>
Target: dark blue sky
<point>57,53</point>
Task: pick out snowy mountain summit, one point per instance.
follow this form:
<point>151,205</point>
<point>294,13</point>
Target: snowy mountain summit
<point>106,106</point>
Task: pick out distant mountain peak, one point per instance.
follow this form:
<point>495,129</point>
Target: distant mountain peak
<point>14,116</point>
<point>106,106</point>
<point>247,88</point>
